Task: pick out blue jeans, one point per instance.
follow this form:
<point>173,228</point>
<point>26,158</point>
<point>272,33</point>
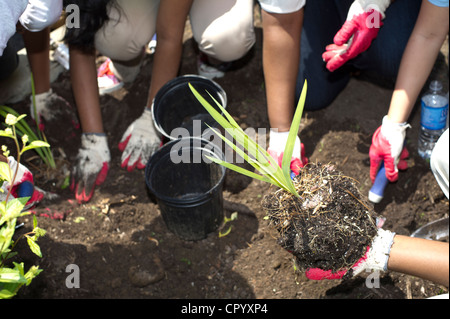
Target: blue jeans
<point>380,63</point>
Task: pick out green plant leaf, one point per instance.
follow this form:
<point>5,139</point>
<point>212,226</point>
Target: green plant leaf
<point>34,145</point>
<point>23,128</point>
<point>12,209</point>
<point>6,234</point>
<point>39,232</point>
<point>254,154</point>
<point>34,246</point>
<point>5,171</point>
<point>8,275</point>
<point>6,134</point>
<point>32,273</point>
<point>227,232</point>
<point>34,221</point>
<point>295,125</point>
<point>6,293</point>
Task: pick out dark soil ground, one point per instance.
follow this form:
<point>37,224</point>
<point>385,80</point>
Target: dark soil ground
<point>121,233</point>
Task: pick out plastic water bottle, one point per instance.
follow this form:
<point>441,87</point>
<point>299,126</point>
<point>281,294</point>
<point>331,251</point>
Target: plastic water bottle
<point>433,119</point>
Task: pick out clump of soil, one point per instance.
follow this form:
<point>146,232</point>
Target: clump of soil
<point>330,226</point>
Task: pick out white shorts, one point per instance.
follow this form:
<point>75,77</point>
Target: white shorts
<point>222,28</point>
<point>282,6</point>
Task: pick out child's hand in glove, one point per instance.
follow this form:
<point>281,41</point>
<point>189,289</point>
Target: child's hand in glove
<point>91,166</point>
<point>139,142</point>
<point>356,35</point>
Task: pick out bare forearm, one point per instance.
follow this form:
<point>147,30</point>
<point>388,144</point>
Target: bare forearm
<point>427,259</point>
<point>165,67</point>
<point>83,74</point>
<point>38,47</point>
<point>281,54</point>
<point>418,60</point>
<point>170,25</point>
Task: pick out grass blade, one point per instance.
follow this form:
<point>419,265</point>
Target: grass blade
<point>293,132</point>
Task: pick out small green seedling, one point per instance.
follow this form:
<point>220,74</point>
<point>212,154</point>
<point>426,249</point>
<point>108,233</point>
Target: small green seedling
<point>23,128</point>
<point>254,154</point>
<point>13,277</point>
<point>227,220</point>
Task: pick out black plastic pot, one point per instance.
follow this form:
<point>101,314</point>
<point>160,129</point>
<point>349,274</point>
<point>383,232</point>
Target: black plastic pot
<point>188,186</point>
<point>175,107</point>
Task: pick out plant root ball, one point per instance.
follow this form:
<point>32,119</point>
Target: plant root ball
<point>330,226</point>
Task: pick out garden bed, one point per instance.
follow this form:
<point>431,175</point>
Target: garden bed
<point>119,240</point>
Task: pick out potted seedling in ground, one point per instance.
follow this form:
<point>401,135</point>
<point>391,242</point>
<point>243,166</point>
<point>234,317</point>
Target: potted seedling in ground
<point>320,214</point>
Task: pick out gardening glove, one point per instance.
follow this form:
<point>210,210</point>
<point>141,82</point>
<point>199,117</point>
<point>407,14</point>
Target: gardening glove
<point>356,35</point>
<point>51,107</point>
<point>139,142</point>
<point>91,167</point>
<point>388,146</point>
<point>23,185</point>
<point>277,144</point>
<point>376,258</point>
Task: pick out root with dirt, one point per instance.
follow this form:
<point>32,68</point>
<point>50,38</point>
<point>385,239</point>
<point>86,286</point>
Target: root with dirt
<point>330,226</point>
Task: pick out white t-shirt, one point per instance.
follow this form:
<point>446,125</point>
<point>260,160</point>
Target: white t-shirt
<point>35,15</point>
<point>40,14</point>
<point>282,6</point>
<point>10,11</point>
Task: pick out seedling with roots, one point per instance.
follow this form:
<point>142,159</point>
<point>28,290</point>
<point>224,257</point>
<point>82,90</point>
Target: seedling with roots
<point>320,214</point>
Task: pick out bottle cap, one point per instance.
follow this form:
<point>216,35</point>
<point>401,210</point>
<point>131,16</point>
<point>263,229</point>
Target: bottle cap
<point>435,85</point>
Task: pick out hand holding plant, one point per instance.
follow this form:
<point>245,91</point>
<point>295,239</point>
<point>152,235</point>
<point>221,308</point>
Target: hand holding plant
<point>318,214</point>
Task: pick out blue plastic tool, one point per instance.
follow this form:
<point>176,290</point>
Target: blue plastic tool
<point>292,175</point>
<point>376,193</point>
<point>25,189</point>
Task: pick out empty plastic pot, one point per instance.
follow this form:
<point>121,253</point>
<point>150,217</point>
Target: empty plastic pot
<point>176,111</point>
<point>188,186</point>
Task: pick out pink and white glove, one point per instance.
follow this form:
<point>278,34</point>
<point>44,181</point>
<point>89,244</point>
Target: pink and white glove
<point>139,142</point>
<point>24,179</point>
<point>91,167</point>
<point>356,35</point>
<point>52,107</point>
<point>277,144</point>
<point>376,258</point>
<point>388,146</point>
